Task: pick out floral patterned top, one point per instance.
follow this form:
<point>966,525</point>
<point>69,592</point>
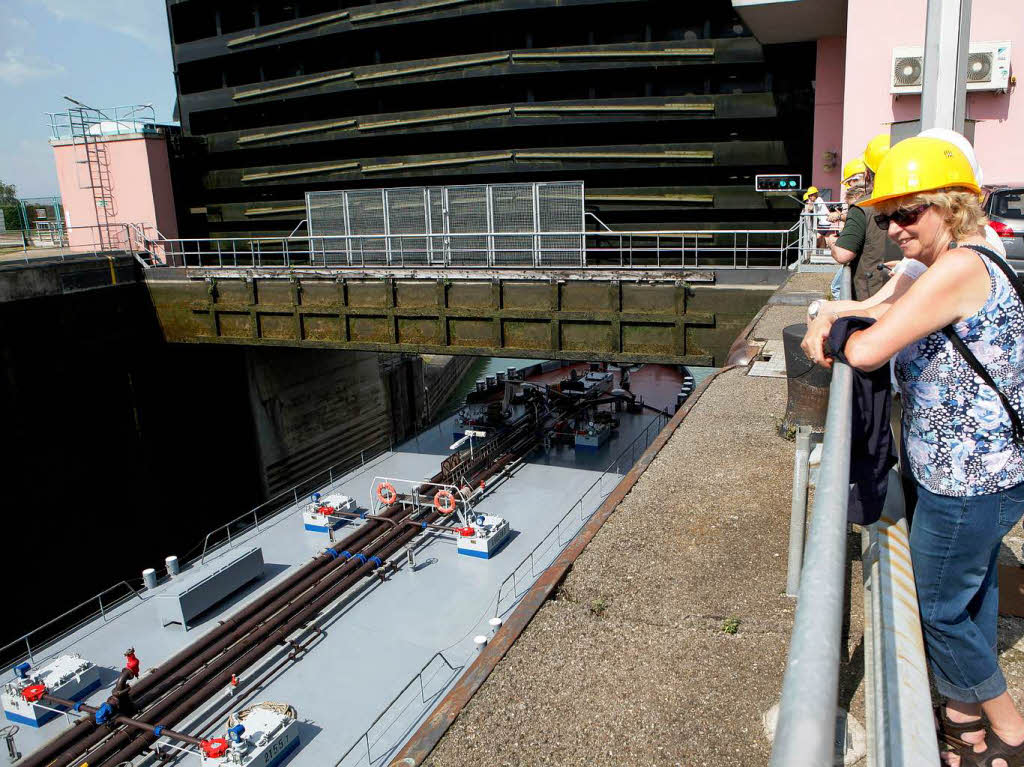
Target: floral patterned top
<point>959,438</point>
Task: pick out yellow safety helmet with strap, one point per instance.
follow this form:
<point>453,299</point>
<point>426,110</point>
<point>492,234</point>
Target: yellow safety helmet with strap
<point>875,151</point>
<point>811,190</point>
<point>852,168</point>
<point>921,165</point>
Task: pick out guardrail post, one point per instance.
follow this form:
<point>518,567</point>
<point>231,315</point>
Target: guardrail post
<point>798,510</point>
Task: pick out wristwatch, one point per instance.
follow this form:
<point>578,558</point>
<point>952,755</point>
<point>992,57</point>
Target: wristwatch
<point>814,308</point>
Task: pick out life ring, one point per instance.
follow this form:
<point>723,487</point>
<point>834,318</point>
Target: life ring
<point>444,502</point>
<point>386,493</point>
<point>33,692</point>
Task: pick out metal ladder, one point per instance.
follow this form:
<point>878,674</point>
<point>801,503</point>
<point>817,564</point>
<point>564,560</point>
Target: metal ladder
<point>97,165</point>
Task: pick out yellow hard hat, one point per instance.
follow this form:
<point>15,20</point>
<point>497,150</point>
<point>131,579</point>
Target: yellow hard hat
<point>811,190</point>
<point>853,167</point>
<point>875,151</point>
<point>921,165</point>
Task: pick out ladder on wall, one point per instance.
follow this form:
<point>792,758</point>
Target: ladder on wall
<point>96,177</point>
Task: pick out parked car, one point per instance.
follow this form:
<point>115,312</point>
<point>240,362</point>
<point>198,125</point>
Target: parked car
<point>1005,210</point>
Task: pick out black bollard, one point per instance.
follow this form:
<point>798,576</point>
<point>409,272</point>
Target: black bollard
<point>807,385</point>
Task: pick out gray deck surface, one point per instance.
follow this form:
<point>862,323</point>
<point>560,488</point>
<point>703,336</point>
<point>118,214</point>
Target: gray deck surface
<point>376,640</point>
<point>630,662</point>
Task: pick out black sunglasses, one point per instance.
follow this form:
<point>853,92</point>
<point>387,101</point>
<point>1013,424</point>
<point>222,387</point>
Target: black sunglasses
<point>902,216</point>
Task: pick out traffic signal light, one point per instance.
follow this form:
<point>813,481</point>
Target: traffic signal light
<point>778,182</point>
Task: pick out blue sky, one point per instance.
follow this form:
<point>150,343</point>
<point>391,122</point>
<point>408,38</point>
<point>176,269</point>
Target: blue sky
<point>101,52</point>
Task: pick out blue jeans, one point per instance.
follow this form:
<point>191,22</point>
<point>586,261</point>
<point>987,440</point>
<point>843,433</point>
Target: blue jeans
<point>954,543</point>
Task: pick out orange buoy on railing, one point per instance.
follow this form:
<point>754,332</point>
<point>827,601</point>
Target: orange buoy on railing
<point>444,502</point>
<point>386,493</point>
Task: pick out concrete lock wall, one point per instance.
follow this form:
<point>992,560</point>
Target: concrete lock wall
<point>875,27</point>
<point>315,408</point>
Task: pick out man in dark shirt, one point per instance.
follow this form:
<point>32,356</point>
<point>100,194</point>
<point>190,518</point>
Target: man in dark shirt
<point>862,244</point>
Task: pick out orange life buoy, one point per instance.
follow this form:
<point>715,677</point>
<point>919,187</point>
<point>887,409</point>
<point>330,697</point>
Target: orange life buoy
<point>386,493</point>
<point>444,502</point>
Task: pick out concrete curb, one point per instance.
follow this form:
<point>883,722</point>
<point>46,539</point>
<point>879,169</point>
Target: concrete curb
<point>423,741</point>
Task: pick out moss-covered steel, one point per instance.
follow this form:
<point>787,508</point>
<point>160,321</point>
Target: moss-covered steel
<point>654,317</point>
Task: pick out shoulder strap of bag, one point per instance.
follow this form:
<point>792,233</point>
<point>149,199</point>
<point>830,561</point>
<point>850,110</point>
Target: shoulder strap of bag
<point>1004,267</point>
<point>967,354</point>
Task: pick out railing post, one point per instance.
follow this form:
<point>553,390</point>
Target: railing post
<point>805,733</point>
<point>798,510</point>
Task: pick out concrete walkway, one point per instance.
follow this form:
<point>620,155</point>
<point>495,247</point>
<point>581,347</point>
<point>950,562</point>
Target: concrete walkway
<point>667,641</point>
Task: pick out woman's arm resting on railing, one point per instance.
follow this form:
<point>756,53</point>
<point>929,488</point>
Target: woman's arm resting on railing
<point>954,287</point>
<point>875,306</point>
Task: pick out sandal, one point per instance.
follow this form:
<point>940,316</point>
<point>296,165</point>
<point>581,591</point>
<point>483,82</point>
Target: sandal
<point>950,732</point>
<point>997,749</point>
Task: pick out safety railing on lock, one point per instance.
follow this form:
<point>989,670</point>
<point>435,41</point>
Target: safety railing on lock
<point>102,606</point>
<point>686,249</point>
<point>425,696</point>
<point>222,535</point>
<point>63,242</point>
<point>812,226</point>
<point>544,553</point>
<point>106,604</point>
<point>900,728</point>
<point>521,578</point>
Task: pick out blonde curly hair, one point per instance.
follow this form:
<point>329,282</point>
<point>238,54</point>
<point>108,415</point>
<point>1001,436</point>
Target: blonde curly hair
<point>960,208</point>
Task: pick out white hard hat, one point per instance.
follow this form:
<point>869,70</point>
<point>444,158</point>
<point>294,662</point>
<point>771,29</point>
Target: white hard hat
<point>961,143</point>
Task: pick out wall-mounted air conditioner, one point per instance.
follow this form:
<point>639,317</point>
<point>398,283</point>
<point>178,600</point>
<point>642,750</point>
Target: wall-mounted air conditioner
<point>988,68</point>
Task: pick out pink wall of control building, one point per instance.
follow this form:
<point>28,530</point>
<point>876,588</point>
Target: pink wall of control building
<point>138,191</point>
<point>874,28</point>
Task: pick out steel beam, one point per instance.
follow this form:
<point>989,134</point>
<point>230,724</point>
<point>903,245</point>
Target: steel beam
<point>946,45</point>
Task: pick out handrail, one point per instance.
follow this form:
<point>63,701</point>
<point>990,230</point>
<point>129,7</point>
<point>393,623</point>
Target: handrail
<point>657,422</point>
<point>660,419</point>
<point>419,675</point>
<point>102,610</point>
<point>670,249</point>
<point>291,493</point>
<point>900,727</point>
<point>805,733</point>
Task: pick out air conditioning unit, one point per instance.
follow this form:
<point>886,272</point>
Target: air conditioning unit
<point>988,68</point>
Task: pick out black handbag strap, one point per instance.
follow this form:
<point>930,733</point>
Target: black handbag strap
<point>967,354</point>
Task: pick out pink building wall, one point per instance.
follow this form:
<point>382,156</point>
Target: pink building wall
<point>875,27</point>
<point>829,86</point>
<point>139,181</point>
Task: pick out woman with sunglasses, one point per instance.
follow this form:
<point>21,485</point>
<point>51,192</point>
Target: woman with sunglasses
<point>962,434</point>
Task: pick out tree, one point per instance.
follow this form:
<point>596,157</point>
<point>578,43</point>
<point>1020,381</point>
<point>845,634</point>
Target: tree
<point>8,194</point>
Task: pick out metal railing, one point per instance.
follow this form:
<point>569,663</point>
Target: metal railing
<point>687,249</point>
<point>67,623</point>
<point>805,733</point>
<point>808,228</point>
<point>423,698</point>
<point>900,726</point>
<point>535,561</point>
<point>103,603</point>
<point>108,121</point>
<point>558,537</point>
<point>63,242</point>
<point>249,521</point>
